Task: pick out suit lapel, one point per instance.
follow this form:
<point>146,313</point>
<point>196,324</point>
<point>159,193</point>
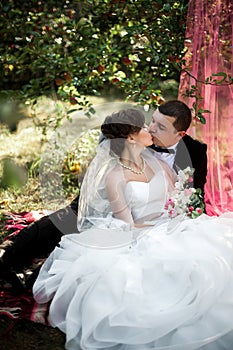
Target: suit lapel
<point>183,157</point>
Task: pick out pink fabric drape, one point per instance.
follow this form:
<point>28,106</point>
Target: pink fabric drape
<point>209,33</point>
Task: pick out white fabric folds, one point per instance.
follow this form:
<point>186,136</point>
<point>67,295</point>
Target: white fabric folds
<point>164,287</point>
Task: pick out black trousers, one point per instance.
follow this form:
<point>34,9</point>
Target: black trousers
<point>40,238</point>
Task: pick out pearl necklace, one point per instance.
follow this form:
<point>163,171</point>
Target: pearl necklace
<point>133,170</point>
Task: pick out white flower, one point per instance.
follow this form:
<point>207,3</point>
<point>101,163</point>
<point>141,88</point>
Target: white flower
<point>184,199</point>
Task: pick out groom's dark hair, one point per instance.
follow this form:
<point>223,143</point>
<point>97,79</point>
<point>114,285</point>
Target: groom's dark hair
<point>178,110</point>
<point>119,125</point>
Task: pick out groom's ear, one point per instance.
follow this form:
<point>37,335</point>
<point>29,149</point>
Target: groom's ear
<point>181,134</point>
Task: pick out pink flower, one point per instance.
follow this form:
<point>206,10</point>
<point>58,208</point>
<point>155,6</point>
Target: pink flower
<point>169,202</point>
<point>199,211</point>
<point>172,213</point>
<point>191,208</point>
<point>190,179</point>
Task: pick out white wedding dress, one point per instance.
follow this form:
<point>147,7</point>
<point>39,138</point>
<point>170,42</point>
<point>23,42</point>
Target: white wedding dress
<point>168,287</point>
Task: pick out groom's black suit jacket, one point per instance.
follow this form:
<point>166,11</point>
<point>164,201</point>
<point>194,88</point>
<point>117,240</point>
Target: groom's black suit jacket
<point>193,153</point>
<point>41,237</point>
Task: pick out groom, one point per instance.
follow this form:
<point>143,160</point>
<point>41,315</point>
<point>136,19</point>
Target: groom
<point>168,127</point>
<point>171,144</point>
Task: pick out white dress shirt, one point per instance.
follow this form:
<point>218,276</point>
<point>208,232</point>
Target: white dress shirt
<point>168,158</point>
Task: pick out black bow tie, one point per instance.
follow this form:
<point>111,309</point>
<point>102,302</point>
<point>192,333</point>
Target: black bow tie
<point>162,150</point>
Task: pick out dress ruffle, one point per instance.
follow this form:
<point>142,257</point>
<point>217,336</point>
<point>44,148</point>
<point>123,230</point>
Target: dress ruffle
<point>172,289</point>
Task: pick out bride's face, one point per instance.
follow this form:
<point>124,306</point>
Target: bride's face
<point>163,131</point>
<point>143,137</point>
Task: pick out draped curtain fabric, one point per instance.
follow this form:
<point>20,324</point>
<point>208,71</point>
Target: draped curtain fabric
<point>208,41</point>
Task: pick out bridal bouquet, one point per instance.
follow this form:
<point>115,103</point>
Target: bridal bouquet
<point>184,199</point>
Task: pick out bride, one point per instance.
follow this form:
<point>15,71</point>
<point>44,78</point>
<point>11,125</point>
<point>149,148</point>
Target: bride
<point>135,279</point>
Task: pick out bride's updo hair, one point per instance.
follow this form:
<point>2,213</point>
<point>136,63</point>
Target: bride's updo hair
<point>119,125</point>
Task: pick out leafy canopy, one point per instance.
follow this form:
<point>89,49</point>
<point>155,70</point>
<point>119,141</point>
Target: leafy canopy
<point>70,49</point>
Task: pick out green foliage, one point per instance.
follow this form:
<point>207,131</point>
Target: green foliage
<point>13,175</point>
<point>70,49</point>
<point>197,204</point>
<point>11,110</point>
<point>198,111</point>
<point>60,172</point>
<point>220,78</point>
<point>225,79</point>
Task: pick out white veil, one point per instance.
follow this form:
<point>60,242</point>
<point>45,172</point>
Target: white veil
<point>94,210</point>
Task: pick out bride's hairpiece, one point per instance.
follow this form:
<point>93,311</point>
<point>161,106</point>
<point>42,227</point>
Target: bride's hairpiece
<point>184,199</point>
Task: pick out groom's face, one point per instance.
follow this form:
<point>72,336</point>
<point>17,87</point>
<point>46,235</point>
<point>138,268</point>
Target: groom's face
<point>163,131</point>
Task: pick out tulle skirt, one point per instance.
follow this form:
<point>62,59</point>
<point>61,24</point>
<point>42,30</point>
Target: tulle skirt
<point>172,288</point>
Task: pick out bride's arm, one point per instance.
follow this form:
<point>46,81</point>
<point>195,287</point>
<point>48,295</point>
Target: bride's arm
<point>115,189</point>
